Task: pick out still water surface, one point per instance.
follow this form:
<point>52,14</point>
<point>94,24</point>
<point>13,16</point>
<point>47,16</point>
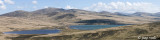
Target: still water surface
<point>92,27</point>
<point>34,32</point>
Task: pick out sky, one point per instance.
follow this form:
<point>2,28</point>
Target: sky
<point>125,6</point>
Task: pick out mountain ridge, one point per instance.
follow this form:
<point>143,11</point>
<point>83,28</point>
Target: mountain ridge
<point>50,10</point>
<point>72,16</point>
<point>61,19</point>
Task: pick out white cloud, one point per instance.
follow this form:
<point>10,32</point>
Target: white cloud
<point>69,7</point>
<point>2,3</point>
<point>126,7</point>
<point>9,1</point>
<point>34,2</point>
<point>45,6</point>
<point>2,6</point>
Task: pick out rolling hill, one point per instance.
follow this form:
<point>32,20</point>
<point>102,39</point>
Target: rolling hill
<point>62,18</point>
<point>71,16</point>
<point>130,32</point>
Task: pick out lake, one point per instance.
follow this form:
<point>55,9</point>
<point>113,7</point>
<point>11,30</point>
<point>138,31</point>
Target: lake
<point>79,27</point>
<point>33,32</point>
<point>92,27</point>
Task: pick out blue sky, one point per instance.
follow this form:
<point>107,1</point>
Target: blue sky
<point>128,6</point>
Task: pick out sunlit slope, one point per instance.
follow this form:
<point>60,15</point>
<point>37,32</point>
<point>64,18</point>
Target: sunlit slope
<point>116,33</point>
<point>72,16</point>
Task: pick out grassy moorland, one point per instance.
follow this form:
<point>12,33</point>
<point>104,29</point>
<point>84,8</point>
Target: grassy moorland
<point>50,18</point>
<point>130,32</point>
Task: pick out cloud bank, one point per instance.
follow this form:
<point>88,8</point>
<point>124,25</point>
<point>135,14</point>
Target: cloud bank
<point>2,4</point>
<point>126,7</point>
<point>34,2</point>
<point>70,7</point>
<point>45,6</point>
<point>9,1</point>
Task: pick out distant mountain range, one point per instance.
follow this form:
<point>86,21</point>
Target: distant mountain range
<point>58,18</point>
<point>60,10</point>
<point>142,14</point>
<point>76,15</point>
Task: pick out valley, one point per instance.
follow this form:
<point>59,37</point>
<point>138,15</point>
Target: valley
<point>57,18</point>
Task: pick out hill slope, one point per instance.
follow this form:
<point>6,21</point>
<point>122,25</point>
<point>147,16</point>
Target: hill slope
<point>72,16</point>
<point>131,32</point>
<point>61,18</point>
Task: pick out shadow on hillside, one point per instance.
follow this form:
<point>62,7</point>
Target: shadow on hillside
<point>99,21</point>
<point>69,16</point>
